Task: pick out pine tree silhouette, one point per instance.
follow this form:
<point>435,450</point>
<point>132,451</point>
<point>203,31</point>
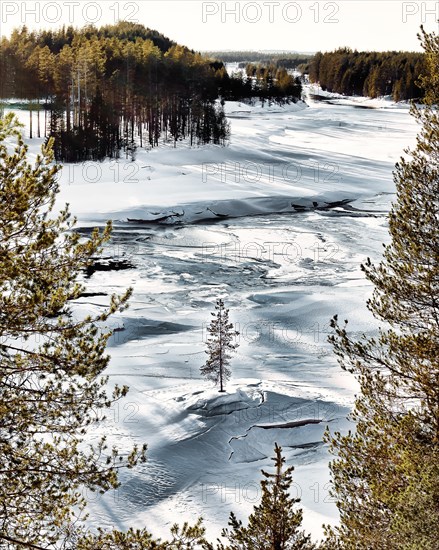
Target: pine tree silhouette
<point>219,346</point>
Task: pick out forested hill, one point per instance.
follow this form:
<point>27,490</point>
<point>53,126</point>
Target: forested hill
<point>55,40</point>
<point>100,91</point>
<point>370,74</point>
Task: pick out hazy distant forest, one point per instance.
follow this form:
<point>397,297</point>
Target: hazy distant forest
<point>346,71</point>
<point>282,59</point>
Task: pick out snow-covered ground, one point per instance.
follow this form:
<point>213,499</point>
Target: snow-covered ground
<point>277,224</point>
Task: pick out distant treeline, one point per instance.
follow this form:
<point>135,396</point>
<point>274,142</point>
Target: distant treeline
<point>370,74</point>
<point>286,60</point>
<point>123,86</point>
<point>265,83</point>
<point>270,82</point>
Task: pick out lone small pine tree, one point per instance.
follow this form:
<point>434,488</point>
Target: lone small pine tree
<point>219,346</point>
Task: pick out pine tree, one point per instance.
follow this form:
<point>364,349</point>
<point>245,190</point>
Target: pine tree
<point>219,347</point>
<point>187,537</point>
<point>274,524</point>
<point>386,474</point>
<point>51,364</point>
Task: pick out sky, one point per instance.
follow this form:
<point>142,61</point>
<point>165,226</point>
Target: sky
<point>306,26</point>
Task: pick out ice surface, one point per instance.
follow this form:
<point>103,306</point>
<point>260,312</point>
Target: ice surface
<point>277,224</point>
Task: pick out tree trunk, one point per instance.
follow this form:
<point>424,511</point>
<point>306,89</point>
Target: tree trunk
<point>30,120</point>
<point>221,356</point>
<point>38,119</point>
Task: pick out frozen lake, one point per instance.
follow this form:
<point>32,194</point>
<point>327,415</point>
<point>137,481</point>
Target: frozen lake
<point>277,224</point>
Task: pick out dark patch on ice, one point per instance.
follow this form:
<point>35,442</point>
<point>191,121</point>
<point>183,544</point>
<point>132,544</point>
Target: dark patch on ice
<point>91,294</point>
<point>312,445</point>
<point>323,98</point>
<point>272,298</point>
<point>334,100</point>
<point>167,218</point>
<point>340,208</point>
<point>224,409</point>
<point>363,107</point>
<point>137,329</point>
<point>217,214</point>
<point>107,264</point>
<point>295,424</point>
<point>324,206</point>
